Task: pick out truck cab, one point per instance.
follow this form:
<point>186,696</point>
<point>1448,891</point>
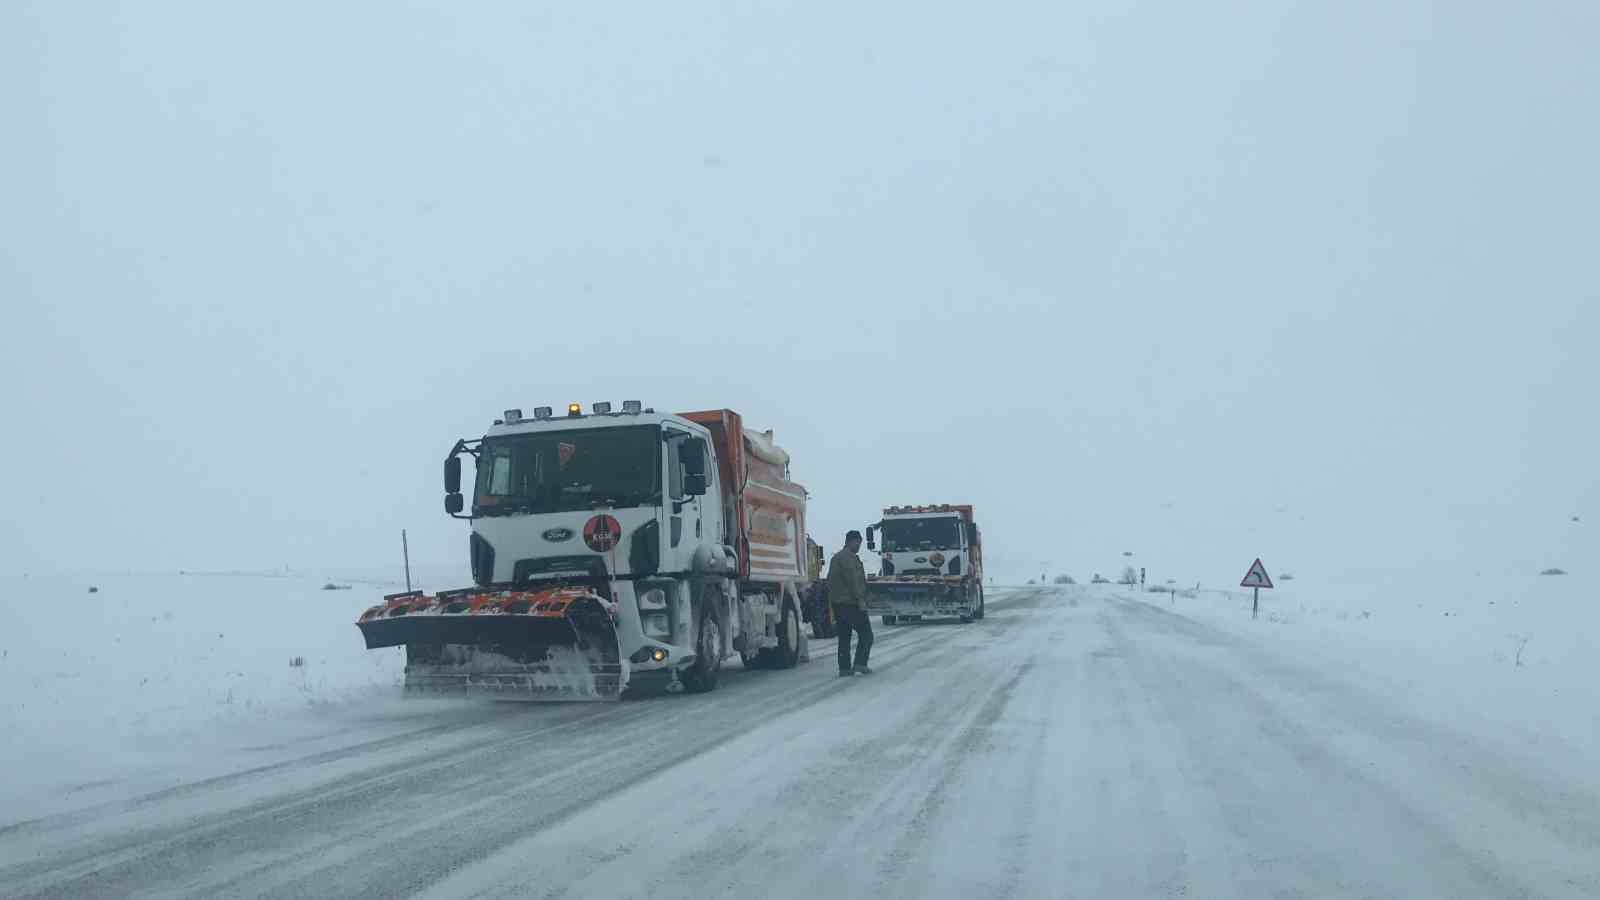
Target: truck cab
<point>618,496</point>
<point>925,543</point>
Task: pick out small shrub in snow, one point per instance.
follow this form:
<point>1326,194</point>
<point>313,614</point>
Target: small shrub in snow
<point>1553,572</point>
<point>1285,576</point>
<point>1130,575</point>
<point>1100,579</point>
<point>1064,579</point>
<point>298,662</point>
<point>330,586</point>
<point>1030,581</point>
<point>93,589</point>
<point>1522,643</point>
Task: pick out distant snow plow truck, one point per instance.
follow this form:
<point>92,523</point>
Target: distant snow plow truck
<point>932,564</point>
<point>608,546</point>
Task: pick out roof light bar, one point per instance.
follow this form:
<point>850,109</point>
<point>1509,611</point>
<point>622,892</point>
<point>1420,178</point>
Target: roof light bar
<point>513,416</point>
<point>632,407</point>
<point>542,412</point>
<point>602,409</point>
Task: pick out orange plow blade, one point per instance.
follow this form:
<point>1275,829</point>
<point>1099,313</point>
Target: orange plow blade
<point>553,644</point>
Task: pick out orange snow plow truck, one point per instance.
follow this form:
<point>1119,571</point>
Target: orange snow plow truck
<point>931,564</point>
<point>608,547</point>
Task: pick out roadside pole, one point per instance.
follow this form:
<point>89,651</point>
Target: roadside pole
<point>405,549</point>
<point>1255,603</point>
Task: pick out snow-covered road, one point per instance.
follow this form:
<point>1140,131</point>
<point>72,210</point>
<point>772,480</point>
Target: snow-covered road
<point>1077,742</point>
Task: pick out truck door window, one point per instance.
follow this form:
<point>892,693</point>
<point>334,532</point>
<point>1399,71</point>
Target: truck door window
<point>500,471</point>
<point>675,471</point>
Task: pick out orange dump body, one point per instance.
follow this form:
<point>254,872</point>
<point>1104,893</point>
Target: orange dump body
<point>766,509</point>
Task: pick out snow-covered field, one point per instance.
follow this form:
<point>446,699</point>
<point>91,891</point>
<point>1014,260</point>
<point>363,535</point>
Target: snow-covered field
<point>150,676</point>
<point>1514,658</point>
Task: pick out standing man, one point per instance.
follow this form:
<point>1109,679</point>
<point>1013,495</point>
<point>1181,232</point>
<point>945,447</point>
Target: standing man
<point>847,593</point>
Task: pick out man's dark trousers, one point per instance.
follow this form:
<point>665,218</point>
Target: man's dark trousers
<point>853,618</point>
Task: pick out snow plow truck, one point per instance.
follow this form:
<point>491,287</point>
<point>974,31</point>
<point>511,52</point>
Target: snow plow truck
<point>607,547</point>
<point>931,564</point>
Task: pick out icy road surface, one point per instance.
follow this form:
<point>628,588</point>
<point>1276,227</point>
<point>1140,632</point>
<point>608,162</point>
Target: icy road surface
<point>1078,742</point>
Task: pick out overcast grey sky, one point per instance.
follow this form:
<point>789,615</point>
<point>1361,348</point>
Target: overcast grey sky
<point>1311,281</point>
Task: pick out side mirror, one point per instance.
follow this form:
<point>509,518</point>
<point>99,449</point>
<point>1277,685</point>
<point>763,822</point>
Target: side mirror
<point>693,455</point>
<point>452,475</point>
<point>694,485</point>
<point>872,543</point>
<point>453,502</point>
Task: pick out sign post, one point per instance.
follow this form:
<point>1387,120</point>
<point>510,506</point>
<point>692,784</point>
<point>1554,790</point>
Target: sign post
<point>1257,578</point>
<point>405,549</point>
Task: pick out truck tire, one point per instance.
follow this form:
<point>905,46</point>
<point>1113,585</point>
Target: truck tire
<point>822,626</point>
<point>979,613</point>
<point>787,654</point>
<point>818,612</point>
<point>889,620</point>
<point>701,677</point>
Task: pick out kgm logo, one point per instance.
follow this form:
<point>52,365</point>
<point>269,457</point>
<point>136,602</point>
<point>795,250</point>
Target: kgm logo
<point>602,533</point>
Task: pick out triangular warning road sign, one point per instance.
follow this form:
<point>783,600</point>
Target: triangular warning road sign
<point>1256,577</point>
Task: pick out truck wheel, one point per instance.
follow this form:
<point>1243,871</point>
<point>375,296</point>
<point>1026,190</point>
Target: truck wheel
<point>787,654</point>
<point>889,620</point>
<point>823,626</point>
<point>980,601</point>
<point>707,668</point>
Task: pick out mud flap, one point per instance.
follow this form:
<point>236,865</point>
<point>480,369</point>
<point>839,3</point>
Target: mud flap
<point>559,644</point>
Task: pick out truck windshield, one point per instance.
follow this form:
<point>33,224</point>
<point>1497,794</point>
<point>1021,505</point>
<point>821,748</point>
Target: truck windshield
<point>560,471</point>
<point>943,533</point>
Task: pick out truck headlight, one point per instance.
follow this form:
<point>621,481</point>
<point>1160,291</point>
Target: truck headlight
<point>655,598</point>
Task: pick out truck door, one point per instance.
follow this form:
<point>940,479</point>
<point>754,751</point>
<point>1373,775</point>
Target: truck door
<point>683,512</point>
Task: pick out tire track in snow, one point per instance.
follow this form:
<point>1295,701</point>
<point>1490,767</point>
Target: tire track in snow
<point>783,799</point>
<point>1567,813</point>
<point>1302,815</point>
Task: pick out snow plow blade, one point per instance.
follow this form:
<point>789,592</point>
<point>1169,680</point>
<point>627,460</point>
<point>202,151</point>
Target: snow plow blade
<point>914,596</point>
<point>553,644</point>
